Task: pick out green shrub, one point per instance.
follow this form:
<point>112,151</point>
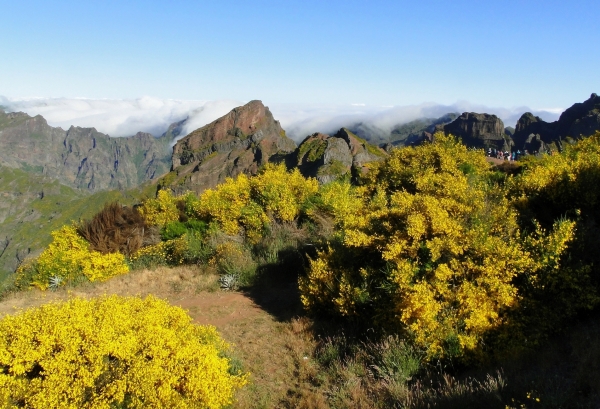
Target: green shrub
<point>173,230</point>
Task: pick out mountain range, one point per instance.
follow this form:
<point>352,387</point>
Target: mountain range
<point>49,176</point>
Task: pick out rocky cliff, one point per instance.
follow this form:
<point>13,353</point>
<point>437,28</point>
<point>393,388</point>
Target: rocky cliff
<point>479,131</point>
<point>82,158</point>
<point>329,157</point>
<point>581,119</point>
<point>239,142</point>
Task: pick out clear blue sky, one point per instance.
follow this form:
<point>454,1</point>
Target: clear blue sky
<point>543,54</point>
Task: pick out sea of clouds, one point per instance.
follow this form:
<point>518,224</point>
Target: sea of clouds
<point>125,117</point>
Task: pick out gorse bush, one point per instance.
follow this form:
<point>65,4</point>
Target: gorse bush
<point>112,352</point>
<point>248,204</point>
<point>69,259</point>
<point>562,187</point>
<point>429,247</point>
<point>162,210</point>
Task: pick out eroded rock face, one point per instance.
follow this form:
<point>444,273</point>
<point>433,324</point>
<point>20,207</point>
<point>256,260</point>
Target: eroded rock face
<point>581,119</point>
<point>479,131</point>
<point>239,142</point>
<point>329,157</point>
<point>80,157</point>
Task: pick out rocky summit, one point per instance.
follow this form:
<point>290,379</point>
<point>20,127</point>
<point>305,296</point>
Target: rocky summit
<point>82,158</point>
<point>329,157</point>
<point>479,131</point>
<point>239,142</point>
<point>581,119</point>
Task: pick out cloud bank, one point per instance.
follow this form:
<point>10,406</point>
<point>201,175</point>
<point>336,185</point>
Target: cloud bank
<point>129,116</point>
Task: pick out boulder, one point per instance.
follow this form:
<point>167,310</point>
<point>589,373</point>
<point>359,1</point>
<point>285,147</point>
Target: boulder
<point>329,157</point>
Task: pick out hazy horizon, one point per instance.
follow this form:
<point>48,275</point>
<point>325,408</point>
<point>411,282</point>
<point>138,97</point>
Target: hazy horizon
<point>125,117</point>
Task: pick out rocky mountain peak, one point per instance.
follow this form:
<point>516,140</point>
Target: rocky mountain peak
<point>479,130</point>
<point>581,119</point>
<point>238,142</point>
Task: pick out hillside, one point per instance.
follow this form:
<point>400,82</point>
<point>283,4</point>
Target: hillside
<point>33,205</point>
<point>81,158</point>
<point>401,134</point>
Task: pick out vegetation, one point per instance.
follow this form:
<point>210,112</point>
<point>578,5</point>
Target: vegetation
<point>313,150</point>
<point>38,206</point>
<point>112,352</point>
<point>431,248</point>
<point>69,259</point>
<point>433,264</point>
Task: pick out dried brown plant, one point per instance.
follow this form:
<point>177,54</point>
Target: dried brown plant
<point>117,228</point>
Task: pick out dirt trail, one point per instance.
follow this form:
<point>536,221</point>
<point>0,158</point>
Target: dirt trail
<point>267,347</point>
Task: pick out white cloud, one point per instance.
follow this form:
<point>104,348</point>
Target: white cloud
<point>120,117</point>
<point>154,115</point>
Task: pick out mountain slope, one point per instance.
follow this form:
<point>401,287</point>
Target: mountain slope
<point>82,158</point>
<point>33,205</point>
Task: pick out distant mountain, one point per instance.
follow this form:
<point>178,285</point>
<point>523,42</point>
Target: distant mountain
<point>581,119</point>
<point>402,134</point>
<point>82,158</point>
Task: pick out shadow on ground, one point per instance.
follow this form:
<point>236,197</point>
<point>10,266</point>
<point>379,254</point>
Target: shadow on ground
<point>275,288</point>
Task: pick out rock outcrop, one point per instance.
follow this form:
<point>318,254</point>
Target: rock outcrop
<point>239,142</point>
<point>480,131</point>
<point>82,158</point>
<point>329,157</point>
<point>581,119</point>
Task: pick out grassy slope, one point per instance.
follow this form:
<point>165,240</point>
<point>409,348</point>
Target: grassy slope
<point>31,216</point>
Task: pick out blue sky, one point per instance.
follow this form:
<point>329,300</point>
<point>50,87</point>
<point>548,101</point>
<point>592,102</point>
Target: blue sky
<point>542,54</point>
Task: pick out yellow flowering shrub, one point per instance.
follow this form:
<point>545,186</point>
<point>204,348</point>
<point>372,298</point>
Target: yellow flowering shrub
<point>563,186</point>
<point>67,258</point>
<point>248,203</point>
<point>161,210</point>
<point>226,203</point>
<point>431,248</point>
<point>172,252</point>
<point>281,193</point>
<point>112,352</point>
